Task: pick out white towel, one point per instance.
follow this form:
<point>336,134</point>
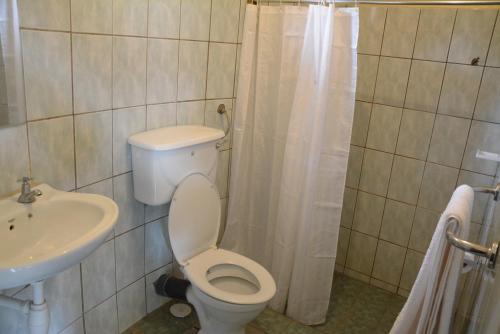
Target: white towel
<point>429,307</point>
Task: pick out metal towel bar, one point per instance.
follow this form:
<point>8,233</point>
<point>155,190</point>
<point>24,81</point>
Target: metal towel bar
<point>491,253</point>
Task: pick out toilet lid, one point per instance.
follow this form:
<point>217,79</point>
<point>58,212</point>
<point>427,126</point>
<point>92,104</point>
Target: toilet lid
<point>194,217</point>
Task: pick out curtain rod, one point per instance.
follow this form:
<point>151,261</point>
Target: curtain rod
<point>392,2</point>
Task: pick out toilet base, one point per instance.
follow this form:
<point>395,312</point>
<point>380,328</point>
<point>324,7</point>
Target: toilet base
<point>218,317</point>
<point>220,331</point>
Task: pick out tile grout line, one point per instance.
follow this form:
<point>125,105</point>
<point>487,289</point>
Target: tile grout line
<point>143,207</point>
<point>405,249</point>
<point>364,149</point>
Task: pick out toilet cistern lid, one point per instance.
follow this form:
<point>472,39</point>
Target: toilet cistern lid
<point>194,217</point>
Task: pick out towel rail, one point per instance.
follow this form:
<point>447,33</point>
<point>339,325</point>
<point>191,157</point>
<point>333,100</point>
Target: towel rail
<point>491,253</point>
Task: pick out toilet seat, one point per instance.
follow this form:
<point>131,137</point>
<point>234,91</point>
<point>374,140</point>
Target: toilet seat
<point>193,227</point>
<point>197,268</point>
<point>194,217</point>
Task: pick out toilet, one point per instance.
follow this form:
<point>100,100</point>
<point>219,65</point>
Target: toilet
<point>178,165</point>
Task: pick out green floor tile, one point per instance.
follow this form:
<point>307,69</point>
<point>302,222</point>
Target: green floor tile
<point>355,308</point>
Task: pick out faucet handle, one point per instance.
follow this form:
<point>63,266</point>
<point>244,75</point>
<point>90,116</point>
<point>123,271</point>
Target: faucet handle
<point>25,179</point>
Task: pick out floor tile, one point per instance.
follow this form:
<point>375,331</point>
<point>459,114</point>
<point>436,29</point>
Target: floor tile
<point>355,307</point>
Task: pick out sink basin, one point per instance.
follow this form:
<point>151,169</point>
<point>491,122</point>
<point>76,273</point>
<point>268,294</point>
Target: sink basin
<point>55,232</point>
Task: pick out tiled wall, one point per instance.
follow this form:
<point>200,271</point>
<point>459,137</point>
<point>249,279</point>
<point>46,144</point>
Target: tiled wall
<point>421,113</point>
<point>97,71</point>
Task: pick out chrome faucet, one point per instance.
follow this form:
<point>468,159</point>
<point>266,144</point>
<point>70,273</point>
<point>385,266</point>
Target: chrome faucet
<point>27,195</point>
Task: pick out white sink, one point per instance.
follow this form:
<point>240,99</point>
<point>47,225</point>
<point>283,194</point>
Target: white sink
<point>55,232</point>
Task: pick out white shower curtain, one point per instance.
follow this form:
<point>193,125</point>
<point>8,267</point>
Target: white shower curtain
<point>292,130</point>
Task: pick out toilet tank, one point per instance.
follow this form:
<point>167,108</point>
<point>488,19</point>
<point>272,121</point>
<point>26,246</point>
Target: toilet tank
<point>162,158</point>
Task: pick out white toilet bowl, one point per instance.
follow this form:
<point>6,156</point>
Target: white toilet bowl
<point>228,290</point>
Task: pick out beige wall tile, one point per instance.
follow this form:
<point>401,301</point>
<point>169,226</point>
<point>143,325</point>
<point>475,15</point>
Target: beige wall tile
<point>354,166</point>
<point>343,245</point>
<point>14,161</point>
<point>438,185</point>
<point>434,33</point>
<point>195,19</point>
<point>129,71</point>
<point>361,252</point>
<point>94,16</point>
<point>129,248</point>
<point>471,35</point>
<point>76,327</point>
<point>448,140</point>
<point>384,128</point>
<point>424,85</point>
<point>161,115</point>
<point>131,304</point>
<point>63,293</point>
<point>52,152</point>
<point>154,212</point>
<point>362,112</point>
<point>424,224</point>
<point>415,134</point>
<point>371,29</point>
<point>47,73</point>
<point>92,72</point>
<point>192,77</point>
<point>191,113</point>
<point>221,67</point>
<point>130,17</point>
<point>367,75</point>
<point>93,147</point>
<point>400,31</point>
<point>126,122</point>
<point>348,206</point>
<point>388,271</point>
<point>494,53</point>
<point>487,108</point>
<point>131,211</point>
<point>104,188</point>
<point>164,18</point>
<point>162,70</point>
<point>47,14</point>
<point>368,213</point>
<point>157,248</point>
<point>405,180</point>
<point>392,80</point>
<point>413,261</point>
<point>98,275</point>
<point>224,21</point>
<point>376,172</point>
<point>103,318</point>
<point>460,88</point>
<point>482,136</point>
<point>397,221</point>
